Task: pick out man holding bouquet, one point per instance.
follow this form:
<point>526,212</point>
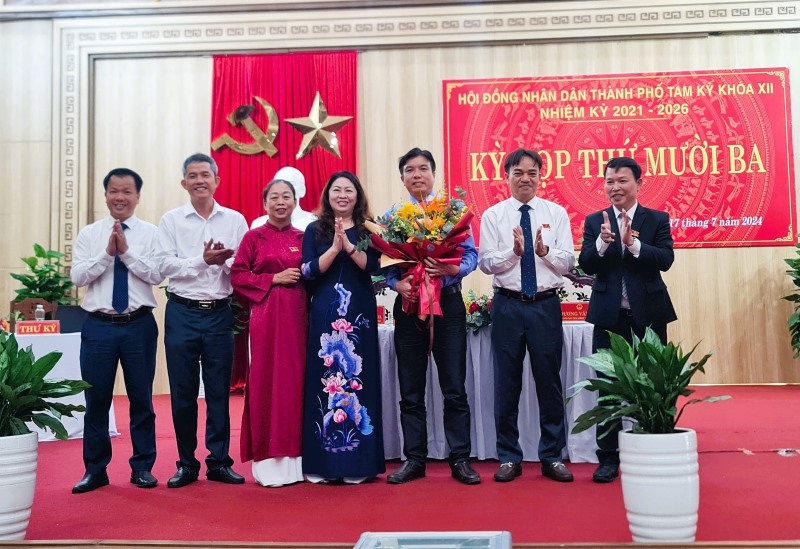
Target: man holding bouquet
<point>412,337</point>
<point>526,244</point>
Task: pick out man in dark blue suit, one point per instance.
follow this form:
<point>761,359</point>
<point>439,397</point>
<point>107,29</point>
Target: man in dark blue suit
<point>626,247</point>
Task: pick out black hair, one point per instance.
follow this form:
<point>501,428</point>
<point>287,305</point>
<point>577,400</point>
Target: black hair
<point>272,184</point>
<point>414,153</point>
<point>124,172</point>
<point>327,218</point>
<point>200,158</point>
<point>514,158</point>
<point>624,162</point>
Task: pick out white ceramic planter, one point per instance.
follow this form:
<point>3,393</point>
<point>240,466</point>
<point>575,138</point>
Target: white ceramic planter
<point>660,485</point>
<point>17,484</point>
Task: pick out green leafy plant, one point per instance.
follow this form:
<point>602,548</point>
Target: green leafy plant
<point>25,394</point>
<point>379,285</point>
<point>794,320</point>
<point>641,382</point>
<point>46,278</point>
<point>241,316</point>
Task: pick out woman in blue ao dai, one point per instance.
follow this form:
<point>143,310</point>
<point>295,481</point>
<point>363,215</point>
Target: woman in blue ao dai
<point>342,435</point>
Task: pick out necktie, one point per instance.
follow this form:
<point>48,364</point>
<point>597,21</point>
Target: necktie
<point>621,236</point>
<point>119,295</point>
<point>528,263</point>
<point>625,302</point>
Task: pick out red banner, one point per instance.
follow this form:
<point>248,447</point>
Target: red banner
<point>715,147</point>
<point>253,97</point>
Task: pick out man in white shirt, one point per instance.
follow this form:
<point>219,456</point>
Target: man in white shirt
<point>300,218</point>
<point>526,244</point>
<point>113,258</point>
<point>195,249</point>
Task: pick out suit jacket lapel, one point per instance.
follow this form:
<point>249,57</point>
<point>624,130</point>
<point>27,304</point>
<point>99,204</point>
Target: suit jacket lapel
<point>639,219</point>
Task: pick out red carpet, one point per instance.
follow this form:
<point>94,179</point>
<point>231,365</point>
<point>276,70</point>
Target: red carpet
<point>748,491</point>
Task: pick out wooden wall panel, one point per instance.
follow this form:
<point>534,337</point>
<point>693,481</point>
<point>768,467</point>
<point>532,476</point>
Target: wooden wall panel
<point>25,145</point>
<point>150,112</point>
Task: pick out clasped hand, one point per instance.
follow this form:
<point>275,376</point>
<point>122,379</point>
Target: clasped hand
<point>608,236</point>
<point>539,246</point>
<point>287,276</point>
<point>340,240</point>
<point>117,243</point>
<point>215,253</point>
<point>433,268</point>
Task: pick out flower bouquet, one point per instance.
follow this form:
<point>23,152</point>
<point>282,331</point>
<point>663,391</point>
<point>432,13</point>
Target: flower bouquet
<point>412,232</point>
<point>479,309</point>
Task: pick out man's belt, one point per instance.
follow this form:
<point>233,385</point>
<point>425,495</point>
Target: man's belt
<point>452,289</point>
<point>123,318</point>
<point>205,304</point>
<point>519,296</point>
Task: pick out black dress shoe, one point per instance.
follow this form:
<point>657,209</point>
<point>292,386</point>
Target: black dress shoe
<point>143,479</point>
<point>226,475</point>
<point>91,481</point>
<point>183,477</point>
<point>606,472</point>
<point>410,470</point>
<point>507,472</point>
<point>463,472</point>
<point>557,471</point>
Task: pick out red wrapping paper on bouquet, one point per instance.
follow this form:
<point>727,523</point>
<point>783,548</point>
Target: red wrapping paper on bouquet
<point>412,254</point>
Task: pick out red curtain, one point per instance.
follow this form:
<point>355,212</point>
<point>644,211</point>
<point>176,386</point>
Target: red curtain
<point>288,82</point>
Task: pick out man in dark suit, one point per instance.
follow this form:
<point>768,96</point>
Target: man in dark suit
<point>626,247</point>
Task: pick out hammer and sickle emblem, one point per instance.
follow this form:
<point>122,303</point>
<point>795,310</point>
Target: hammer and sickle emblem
<point>263,141</point>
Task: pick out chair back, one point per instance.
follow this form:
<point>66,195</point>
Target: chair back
<point>27,308</point>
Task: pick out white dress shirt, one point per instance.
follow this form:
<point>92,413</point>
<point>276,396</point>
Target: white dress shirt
<point>634,248</point>
<point>93,267</point>
<point>496,254</point>
<point>179,250</point>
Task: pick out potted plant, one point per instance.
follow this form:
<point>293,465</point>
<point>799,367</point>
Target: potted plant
<point>642,382</point>
<point>794,320</point>
<point>46,279</point>
<point>26,396</point>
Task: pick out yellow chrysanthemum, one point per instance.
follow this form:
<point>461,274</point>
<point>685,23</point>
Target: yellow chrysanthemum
<point>407,211</point>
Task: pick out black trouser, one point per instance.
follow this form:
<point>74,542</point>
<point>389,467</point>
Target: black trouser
<point>412,341</point>
<point>195,338</point>
<point>608,445</point>
<point>133,346</point>
<point>535,326</point>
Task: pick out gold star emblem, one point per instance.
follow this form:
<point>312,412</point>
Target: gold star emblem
<point>319,129</point>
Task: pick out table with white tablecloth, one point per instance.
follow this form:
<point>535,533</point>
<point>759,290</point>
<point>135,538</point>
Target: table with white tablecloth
<point>68,367</point>
<point>480,392</point>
